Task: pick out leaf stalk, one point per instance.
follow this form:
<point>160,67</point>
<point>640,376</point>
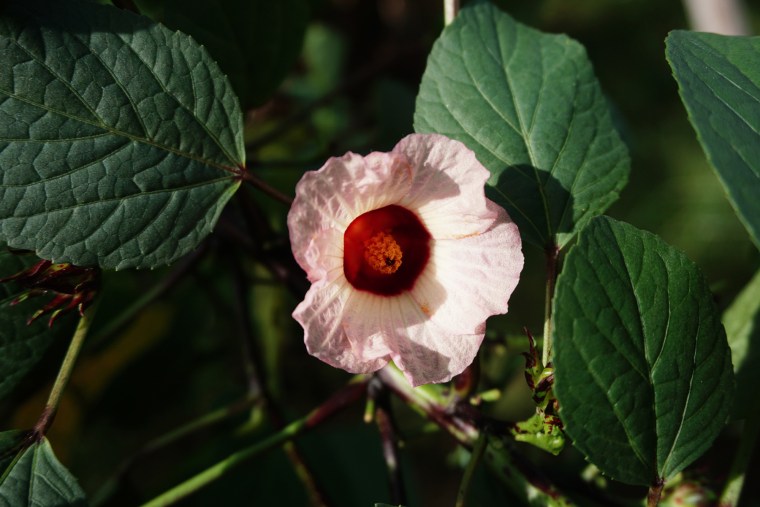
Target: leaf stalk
<point>552,261</point>
<point>64,373</point>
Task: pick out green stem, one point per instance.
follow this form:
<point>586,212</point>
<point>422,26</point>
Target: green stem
<point>111,486</point>
<point>477,453</point>
<point>215,472</point>
<point>552,257</point>
<point>343,398</point>
<point>64,373</point>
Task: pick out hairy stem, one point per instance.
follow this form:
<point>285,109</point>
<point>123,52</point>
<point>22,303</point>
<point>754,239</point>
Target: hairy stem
<point>64,373</point>
<point>348,395</point>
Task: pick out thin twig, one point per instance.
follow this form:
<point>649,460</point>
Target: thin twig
<point>251,359</point>
<point>184,266</point>
<point>388,436</point>
<point>523,476</point>
<point>348,395</point>
<point>362,75</point>
<point>469,472</point>
<point>248,176</point>
<point>257,383</point>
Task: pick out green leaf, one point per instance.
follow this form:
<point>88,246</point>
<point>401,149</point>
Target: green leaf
<point>643,370</point>
<point>120,141</point>
<point>742,321</point>
<point>530,107</point>
<point>36,477</point>
<point>719,81</point>
<point>10,442</point>
<point>21,345</point>
<point>256,42</point>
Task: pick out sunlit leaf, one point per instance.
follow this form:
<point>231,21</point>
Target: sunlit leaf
<point>719,81</point>
<point>120,140</point>
<point>643,369</point>
<point>530,107</point>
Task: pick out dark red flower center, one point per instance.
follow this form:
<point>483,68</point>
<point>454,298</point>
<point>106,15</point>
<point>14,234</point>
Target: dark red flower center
<point>385,250</point>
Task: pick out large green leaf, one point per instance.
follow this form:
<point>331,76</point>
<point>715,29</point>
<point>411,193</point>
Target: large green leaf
<point>37,478</point>
<point>21,345</point>
<point>120,141</point>
<point>256,42</point>
<point>719,81</point>
<point>742,321</point>
<point>530,107</point>
<point>643,369</point>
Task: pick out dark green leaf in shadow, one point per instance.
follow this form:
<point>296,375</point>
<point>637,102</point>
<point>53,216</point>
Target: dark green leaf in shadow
<point>37,478</point>
<point>255,42</point>
<point>120,140</point>
<point>719,80</point>
<point>530,107</point>
<point>642,367</point>
<point>10,442</point>
<point>742,321</point>
<point>22,345</point>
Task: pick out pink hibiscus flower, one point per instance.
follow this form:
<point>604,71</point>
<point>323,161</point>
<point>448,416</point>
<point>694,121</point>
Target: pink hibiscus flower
<point>406,256</point>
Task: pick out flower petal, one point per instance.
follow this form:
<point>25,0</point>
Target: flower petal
<point>368,323</point>
<point>426,352</point>
<point>470,279</point>
<point>341,190</point>
<point>447,192</point>
<point>323,257</point>
<point>323,315</point>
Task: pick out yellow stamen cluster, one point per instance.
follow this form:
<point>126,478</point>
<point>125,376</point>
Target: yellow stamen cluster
<point>382,253</point>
